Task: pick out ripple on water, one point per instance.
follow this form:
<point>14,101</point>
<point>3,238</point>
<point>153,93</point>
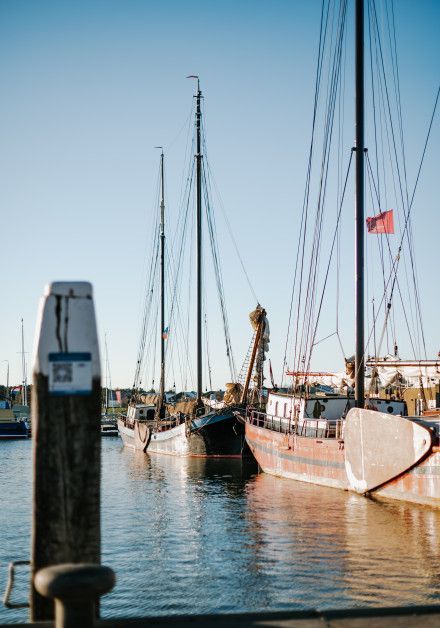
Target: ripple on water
<point>195,536</point>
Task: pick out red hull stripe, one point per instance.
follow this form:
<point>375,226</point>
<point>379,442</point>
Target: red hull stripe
<point>297,459</point>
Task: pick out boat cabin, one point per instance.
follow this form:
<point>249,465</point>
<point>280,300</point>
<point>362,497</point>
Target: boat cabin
<point>141,412</point>
<point>320,416</point>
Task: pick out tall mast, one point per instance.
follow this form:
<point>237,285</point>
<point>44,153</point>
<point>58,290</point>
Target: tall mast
<point>161,404</point>
<point>360,223</point>
<point>106,374</point>
<point>199,241</point>
<point>23,369</point>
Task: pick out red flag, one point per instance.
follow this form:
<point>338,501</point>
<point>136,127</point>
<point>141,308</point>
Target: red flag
<point>382,223</point>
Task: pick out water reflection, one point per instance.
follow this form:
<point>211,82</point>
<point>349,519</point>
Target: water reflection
<point>328,548</point>
<point>201,536</point>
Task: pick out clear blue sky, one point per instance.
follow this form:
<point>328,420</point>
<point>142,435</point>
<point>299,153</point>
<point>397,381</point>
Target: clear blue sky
<point>88,88</point>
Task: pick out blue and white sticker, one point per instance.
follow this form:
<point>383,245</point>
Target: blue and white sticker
<point>70,373</point>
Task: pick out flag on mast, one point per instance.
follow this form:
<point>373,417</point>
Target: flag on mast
<point>382,223</point>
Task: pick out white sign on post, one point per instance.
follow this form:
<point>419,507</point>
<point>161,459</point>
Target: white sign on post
<point>70,373</point>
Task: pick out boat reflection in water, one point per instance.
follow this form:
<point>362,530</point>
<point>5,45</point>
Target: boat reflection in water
<point>193,535</point>
<point>334,549</point>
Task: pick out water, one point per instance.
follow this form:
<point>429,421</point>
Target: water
<point>197,536</point>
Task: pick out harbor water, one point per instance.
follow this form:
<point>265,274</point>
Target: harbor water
<point>216,536</point>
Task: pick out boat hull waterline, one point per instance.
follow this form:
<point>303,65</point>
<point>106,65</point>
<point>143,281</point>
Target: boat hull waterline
<point>326,461</point>
<point>218,435</point>
<point>13,430</point>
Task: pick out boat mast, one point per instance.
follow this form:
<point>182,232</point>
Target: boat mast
<point>106,374</point>
<point>161,404</point>
<point>199,405</point>
<point>359,221</point>
<point>23,369</point>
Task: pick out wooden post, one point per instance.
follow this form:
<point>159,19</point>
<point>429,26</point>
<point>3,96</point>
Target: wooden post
<point>66,407</point>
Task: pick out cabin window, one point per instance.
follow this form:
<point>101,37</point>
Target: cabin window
<point>141,411</point>
<point>276,409</point>
<point>285,411</point>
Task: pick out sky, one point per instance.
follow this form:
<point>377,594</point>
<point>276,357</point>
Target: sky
<point>89,88</point>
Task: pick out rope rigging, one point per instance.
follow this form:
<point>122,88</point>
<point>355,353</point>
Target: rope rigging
<point>306,305</point>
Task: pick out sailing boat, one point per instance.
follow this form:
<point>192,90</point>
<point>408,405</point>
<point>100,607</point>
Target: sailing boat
<point>192,429</point>
<point>14,420</point>
<point>338,441</point>
<point>108,419</point>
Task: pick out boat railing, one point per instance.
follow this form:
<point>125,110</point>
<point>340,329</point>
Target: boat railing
<point>321,428</point>
<point>314,428</point>
<point>261,419</point>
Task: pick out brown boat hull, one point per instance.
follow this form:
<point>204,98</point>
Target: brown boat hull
<point>315,460</point>
<point>322,462</point>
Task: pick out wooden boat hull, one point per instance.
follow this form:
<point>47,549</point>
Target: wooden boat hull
<point>393,456</point>
<point>315,460</point>
<point>215,434</point>
<point>323,462</point>
<point>420,485</point>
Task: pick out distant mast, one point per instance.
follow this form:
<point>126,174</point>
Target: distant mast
<point>199,242</point>
<point>107,374</point>
<point>359,221</point>
<point>161,400</point>
<point>23,369</point>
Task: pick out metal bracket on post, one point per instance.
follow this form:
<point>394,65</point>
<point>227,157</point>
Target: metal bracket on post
<point>66,410</point>
<point>10,585</point>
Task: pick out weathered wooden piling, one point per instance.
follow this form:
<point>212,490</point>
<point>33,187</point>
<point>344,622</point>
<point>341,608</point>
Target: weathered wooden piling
<point>66,400</point>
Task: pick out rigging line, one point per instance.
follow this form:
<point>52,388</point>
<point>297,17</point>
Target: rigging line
<point>341,111</point>
<point>303,228</point>
<point>188,154</point>
<point>309,303</point>
<point>331,251</point>
<point>146,317</point>
<point>424,149</point>
<point>406,211</point>
<point>318,342</point>
<point>310,299</point>
<point>400,117</point>
<point>218,274</point>
<point>373,93</point>
<point>375,134</point>
<point>395,62</point>
<point>174,313</point>
<point>231,234</point>
<point>405,227</point>
<point>340,344</point>
<point>388,299</point>
<point>148,284</point>
<point>184,125</point>
<point>208,360</point>
<point>183,237</point>
<point>372,187</point>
